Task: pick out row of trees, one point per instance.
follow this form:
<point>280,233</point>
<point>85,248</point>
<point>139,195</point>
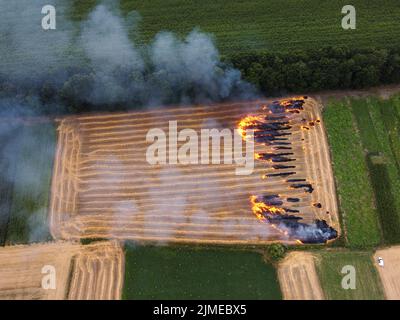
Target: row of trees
<point>319,69</point>
<point>71,89</point>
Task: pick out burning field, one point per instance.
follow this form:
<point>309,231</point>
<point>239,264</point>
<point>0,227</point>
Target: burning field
<point>81,272</point>
<point>103,187</point>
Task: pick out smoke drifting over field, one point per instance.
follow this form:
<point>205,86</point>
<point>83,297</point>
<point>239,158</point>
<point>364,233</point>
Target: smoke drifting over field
<point>94,63</point>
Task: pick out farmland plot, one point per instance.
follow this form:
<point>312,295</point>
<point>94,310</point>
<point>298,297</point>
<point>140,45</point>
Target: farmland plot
<point>27,155</point>
<point>93,271</point>
<point>103,186</point>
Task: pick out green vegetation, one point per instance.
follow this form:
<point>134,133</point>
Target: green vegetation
<point>276,251</point>
<point>368,285</point>
<point>319,69</point>
<point>194,273</point>
<point>29,155</point>
<point>378,124</point>
<point>364,138</point>
<point>352,179</point>
<point>7,169</point>
<point>276,25</point>
<point>279,46</point>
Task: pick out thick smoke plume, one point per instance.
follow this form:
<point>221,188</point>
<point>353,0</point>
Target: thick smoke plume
<point>94,64</point>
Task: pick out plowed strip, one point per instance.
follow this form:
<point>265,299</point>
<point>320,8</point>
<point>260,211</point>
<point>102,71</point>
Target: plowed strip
<point>298,277</point>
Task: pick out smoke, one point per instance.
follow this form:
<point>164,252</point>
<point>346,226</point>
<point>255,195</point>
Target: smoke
<point>28,53</point>
<point>112,57</point>
<point>173,212</point>
<point>167,70</point>
<point>94,64</point>
<point>26,152</point>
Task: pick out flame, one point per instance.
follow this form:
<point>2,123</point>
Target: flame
<point>247,122</point>
<point>288,102</point>
<point>259,208</point>
<point>263,211</point>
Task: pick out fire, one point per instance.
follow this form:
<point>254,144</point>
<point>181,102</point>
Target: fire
<point>288,102</point>
<point>268,133</point>
<point>248,122</point>
<point>259,208</point>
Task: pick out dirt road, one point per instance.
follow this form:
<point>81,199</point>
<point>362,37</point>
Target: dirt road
<point>390,273</point>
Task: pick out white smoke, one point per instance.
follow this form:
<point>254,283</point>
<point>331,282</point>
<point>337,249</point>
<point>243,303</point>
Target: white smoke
<point>88,64</point>
<point>187,70</point>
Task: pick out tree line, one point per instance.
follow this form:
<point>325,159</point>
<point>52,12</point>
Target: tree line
<point>272,73</point>
<point>319,69</point>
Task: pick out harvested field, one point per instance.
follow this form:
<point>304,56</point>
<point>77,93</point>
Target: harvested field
<point>98,267</point>
<point>98,273</point>
<point>103,187</point>
<point>21,270</point>
<point>298,277</point>
<point>390,273</point>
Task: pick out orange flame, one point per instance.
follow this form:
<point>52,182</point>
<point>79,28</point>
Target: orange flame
<point>287,102</point>
<point>260,207</point>
<point>247,122</point>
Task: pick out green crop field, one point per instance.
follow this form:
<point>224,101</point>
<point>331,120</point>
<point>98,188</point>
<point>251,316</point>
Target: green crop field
<point>190,273</point>
<point>364,138</point>
<point>7,169</point>
<point>355,191</point>
<point>378,123</point>
<point>368,285</point>
<point>242,26</point>
<point>29,158</point>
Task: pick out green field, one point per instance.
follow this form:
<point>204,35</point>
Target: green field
<point>378,123</point>
<point>242,26</point>
<point>190,273</point>
<point>28,159</point>
<point>7,170</point>
<point>368,285</point>
<point>355,191</point>
<point>368,177</point>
